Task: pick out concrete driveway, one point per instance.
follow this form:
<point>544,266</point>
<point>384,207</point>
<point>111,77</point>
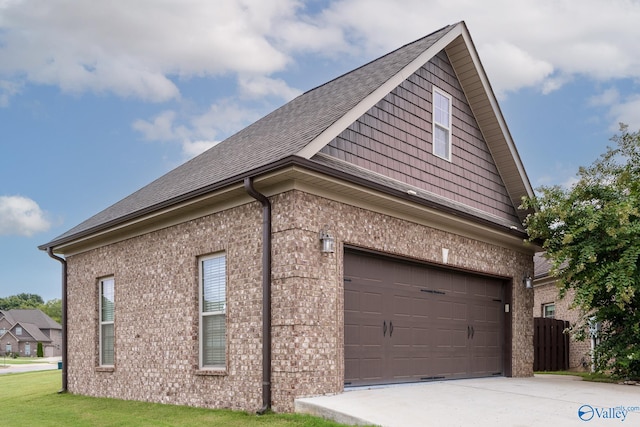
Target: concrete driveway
<point>43,364</point>
<point>537,401</point>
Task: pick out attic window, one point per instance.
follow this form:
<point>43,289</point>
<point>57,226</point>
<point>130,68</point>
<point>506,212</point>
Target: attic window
<point>441,124</point>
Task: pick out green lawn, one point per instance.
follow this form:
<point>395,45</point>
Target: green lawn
<point>32,399</point>
<point>586,376</point>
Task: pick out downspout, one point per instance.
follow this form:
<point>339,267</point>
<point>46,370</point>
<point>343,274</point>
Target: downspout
<point>266,293</point>
<point>64,317</point>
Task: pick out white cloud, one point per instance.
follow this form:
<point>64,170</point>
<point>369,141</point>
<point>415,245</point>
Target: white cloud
<point>196,133</point>
<point>261,86</point>
<point>144,48</point>
<point>511,68</point>
<point>627,112</point>
<point>606,98</point>
<point>134,48</point>
<point>193,148</point>
<point>525,43</point>
<point>21,216</point>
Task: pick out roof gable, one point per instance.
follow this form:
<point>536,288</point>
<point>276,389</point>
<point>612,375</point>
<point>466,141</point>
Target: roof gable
<point>393,138</point>
<point>35,317</point>
<point>305,125</point>
<point>32,332</point>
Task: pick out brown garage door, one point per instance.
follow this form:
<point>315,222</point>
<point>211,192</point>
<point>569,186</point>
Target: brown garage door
<point>406,322</point>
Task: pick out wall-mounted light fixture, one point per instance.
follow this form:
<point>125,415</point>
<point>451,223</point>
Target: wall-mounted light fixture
<point>328,242</point>
<point>527,280</point>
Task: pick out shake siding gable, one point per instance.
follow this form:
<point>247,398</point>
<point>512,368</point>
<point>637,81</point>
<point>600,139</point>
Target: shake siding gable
<point>394,139</point>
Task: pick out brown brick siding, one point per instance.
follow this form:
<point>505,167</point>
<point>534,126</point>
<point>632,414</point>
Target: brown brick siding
<point>156,302</point>
<point>579,351</point>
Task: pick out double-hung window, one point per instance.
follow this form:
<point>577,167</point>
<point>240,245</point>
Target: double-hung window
<point>213,308</point>
<point>441,124</point>
<point>549,310</point>
<point>107,310</point>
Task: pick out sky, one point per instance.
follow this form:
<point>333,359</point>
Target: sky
<point>97,99</point>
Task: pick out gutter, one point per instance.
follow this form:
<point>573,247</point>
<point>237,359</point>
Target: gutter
<point>282,163</point>
<point>64,317</point>
<point>266,293</point>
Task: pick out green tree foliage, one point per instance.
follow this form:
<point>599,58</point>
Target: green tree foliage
<point>21,301</point>
<point>40,350</point>
<point>591,234</point>
<point>53,309</point>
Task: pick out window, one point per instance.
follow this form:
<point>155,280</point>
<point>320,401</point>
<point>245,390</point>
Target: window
<point>213,307</point>
<point>27,349</point>
<point>441,124</point>
<point>107,306</point>
<point>549,310</point>
<point>18,330</point>
<point>7,348</point>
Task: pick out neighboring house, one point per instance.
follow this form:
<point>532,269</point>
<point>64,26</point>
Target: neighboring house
<point>367,232</point>
<point>547,303</point>
<point>22,329</point>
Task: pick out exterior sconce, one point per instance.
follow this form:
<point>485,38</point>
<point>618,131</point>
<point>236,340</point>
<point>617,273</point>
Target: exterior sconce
<point>328,242</point>
<point>528,281</point>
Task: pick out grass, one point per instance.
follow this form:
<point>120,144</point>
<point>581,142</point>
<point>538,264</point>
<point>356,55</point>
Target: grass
<point>33,396</point>
<point>586,376</point>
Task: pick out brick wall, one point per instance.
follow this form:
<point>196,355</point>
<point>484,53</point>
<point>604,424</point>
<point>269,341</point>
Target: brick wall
<point>156,302</point>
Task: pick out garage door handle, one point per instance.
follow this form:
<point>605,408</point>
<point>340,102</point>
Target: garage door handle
<point>390,328</point>
<point>384,328</point>
<point>468,331</point>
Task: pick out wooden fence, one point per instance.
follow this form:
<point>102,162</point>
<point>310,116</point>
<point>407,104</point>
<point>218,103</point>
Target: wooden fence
<point>551,345</point>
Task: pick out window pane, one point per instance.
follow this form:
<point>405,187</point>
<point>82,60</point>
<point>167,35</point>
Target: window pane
<point>107,337</point>
<point>107,300</point>
<point>213,340</point>
<point>213,285</point>
<point>441,109</point>
<point>441,142</point>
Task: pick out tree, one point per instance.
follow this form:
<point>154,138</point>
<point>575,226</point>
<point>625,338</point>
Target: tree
<point>591,234</point>
<point>53,309</point>
<point>21,301</point>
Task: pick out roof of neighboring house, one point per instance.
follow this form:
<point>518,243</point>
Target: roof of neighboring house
<point>32,316</point>
<point>300,128</point>
<point>7,332</point>
<point>541,266</point>
<point>33,331</point>
<point>5,314</point>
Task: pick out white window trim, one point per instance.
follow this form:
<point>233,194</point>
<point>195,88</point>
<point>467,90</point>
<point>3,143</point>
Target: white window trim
<point>102,323</point>
<point>201,314</point>
<point>544,311</point>
<point>434,124</point>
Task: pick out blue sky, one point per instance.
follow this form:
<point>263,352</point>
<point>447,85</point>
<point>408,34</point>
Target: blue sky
<point>99,98</point>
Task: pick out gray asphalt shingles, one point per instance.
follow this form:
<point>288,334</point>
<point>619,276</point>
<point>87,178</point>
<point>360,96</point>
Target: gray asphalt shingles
<point>280,134</point>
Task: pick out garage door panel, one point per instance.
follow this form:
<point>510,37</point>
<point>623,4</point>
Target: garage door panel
<point>446,324</point>
<point>421,309</point>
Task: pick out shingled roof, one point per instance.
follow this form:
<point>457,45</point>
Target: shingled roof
<point>299,128</point>
<point>32,316</point>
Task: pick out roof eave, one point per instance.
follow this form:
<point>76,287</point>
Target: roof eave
<point>282,163</point>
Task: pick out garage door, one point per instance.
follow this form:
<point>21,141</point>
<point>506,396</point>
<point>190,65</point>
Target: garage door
<point>407,322</point>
